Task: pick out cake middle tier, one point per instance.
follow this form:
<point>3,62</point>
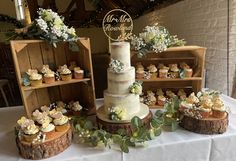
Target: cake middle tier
<point>128,101</point>
<point>118,83</point>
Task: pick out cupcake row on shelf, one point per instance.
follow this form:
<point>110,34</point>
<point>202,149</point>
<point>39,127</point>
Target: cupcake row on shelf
<point>159,97</point>
<point>36,78</point>
<point>182,70</point>
<point>46,122</point>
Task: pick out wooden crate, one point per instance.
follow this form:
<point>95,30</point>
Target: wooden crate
<point>32,54</point>
<point>194,56</point>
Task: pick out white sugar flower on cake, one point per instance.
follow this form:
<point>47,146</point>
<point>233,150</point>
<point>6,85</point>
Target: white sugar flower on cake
<point>116,65</point>
<point>117,113</point>
<point>136,88</point>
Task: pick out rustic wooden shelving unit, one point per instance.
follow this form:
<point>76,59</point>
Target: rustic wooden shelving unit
<point>32,54</point>
<point>194,56</point>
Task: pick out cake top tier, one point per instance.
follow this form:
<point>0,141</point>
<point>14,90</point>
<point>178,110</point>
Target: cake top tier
<point>121,51</point>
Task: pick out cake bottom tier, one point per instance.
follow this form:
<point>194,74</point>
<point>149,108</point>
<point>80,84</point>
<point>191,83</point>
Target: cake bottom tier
<point>114,126</point>
<point>142,113</point>
<point>130,102</point>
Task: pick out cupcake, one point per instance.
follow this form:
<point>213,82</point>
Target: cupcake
<point>204,112</point>
<point>184,105</point>
<point>41,117</point>
<point>153,70</point>
<point>174,71</point>
<point>170,94</point>
<point>61,107</point>
<point>188,72</point>
<point>30,130</point>
<point>161,100</point>
<point>48,74</point>
<point>139,66</point>
<point>218,108</point>
<point>163,73</point>
<point>159,92</point>
<point>35,78</point>
<point>45,109</point>
<point>140,73</point>
<point>61,121</point>
<point>48,129</point>
<point>65,73</point>
<point>181,93</point>
<point>75,107</point>
<point>192,98</point>
<point>78,73</point>
<point>151,99</point>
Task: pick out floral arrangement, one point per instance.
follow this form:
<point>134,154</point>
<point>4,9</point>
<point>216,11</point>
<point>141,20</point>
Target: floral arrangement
<point>136,88</point>
<point>48,26</point>
<point>154,38</point>
<point>117,113</point>
<point>116,66</point>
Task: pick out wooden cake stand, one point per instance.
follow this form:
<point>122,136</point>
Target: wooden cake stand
<point>114,126</point>
<point>209,125</point>
<point>46,149</point>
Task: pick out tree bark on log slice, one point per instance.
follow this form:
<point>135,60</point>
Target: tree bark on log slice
<point>205,126</point>
<point>114,127</point>
<point>46,149</point>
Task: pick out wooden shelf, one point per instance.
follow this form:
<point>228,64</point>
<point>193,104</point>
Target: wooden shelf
<point>156,59</point>
<point>170,79</point>
<point>156,107</point>
<point>57,83</point>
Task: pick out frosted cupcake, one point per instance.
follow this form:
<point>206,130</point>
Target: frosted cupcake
<point>65,73</point>
<point>30,130</point>
<point>204,112</point>
<point>35,78</point>
<point>163,73</point>
<point>188,72</point>
<point>140,73</point>
<point>174,71</point>
<point>184,105</point>
<point>61,107</point>
<point>48,74</point>
<point>193,99</point>
<point>151,98</point>
<point>48,129</point>
<point>170,94</point>
<point>76,108</point>
<point>218,108</point>
<point>41,117</point>
<point>60,121</point>
<point>159,92</point>
<point>153,70</point>
<point>78,73</point>
<point>139,66</point>
<point>181,93</point>
<point>161,100</point>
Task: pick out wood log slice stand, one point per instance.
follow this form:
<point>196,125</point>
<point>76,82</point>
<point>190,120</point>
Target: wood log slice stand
<point>209,125</point>
<point>48,148</point>
<point>114,127</point>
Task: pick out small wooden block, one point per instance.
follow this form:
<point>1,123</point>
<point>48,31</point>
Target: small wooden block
<point>205,126</point>
<point>114,127</point>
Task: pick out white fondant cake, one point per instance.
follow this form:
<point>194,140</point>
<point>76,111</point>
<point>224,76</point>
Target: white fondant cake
<point>117,94</point>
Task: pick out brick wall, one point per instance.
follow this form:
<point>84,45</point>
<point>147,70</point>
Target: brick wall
<point>204,23</point>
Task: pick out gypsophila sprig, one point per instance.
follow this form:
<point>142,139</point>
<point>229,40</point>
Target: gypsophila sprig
<point>136,88</point>
<point>48,26</point>
<point>117,113</point>
<point>154,38</point>
<point>116,66</point>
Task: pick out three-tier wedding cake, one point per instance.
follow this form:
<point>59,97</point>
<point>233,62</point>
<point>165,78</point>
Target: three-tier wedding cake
<point>120,103</point>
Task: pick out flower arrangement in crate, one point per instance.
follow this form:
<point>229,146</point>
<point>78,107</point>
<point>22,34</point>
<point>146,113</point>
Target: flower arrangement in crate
<point>154,38</point>
<point>48,26</point>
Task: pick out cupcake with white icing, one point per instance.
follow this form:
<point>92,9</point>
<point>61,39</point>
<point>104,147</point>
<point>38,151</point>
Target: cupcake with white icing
<point>78,73</point>
<point>35,77</point>
<point>65,73</point>
<point>153,70</point>
<point>61,121</point>
<point>174,71</point>
<point>48,129</point>
<point>218,108</point>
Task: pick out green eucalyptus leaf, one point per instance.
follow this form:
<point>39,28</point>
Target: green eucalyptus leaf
<point>157,131</point>
<point>88,125</point>
<point>117,139</point>
<point>122,132</point>
<point>78,127</point>
<point>124,147</point>
<point>159,113</point>
<point>136,122</point>
<point>174,126</point>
